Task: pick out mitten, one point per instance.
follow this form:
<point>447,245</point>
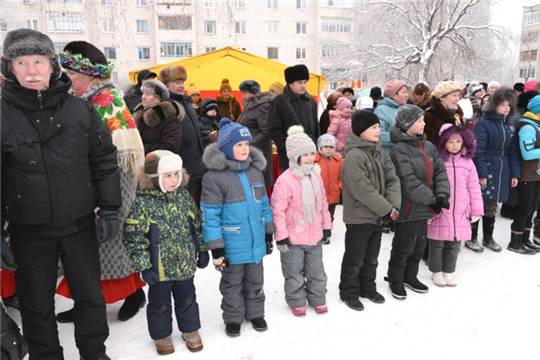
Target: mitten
<point>327,233</point>
<point>203,259</point>
<point>442,201</point>
<point>150,277</point>
<point>108,225</point>
<point>283,245</point>
<point>220,261</point>
<point>269,244</point>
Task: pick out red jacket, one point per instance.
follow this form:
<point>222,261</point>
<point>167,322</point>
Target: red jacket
<point>331,174</point>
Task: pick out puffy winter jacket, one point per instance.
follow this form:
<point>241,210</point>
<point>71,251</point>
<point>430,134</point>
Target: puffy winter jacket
<point>465,201</point>
<point>236,212</point>
<point>370,184</point>
<point>288,212</point>
<point>421,173</point>
<point>528,129</point>
<point>340,127</point>
<point>386,112</point>
<point>497,158</point>
<point>331,175</point>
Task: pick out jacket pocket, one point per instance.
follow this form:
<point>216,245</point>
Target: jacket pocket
<point>258,191</point>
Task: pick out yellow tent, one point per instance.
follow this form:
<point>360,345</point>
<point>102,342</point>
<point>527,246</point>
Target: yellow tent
<point>205,71</point>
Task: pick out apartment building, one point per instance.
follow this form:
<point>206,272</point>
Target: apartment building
<point>529,44</point>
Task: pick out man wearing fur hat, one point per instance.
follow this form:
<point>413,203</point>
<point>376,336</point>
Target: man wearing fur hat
<point>294,107</point>
<point>58,164</point>
<point>90,73</point>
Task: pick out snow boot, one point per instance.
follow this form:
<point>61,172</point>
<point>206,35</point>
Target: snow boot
<point>164,346</point>
<point>299,311</point>
<point>450,279</point>
<point>488,224</point>
<point>321,309</point>
<point>374,297</point>
<point>131,305</point>
<point>398,291</point>
<point>259,324</point>
<point>516,244</point>
<point>438,279</point>
<point>526,240</point>
<point>473,243</point>
<point>232,329</point>
<point>193,341</point>
<point>416,286</point>
<point>354,303</point>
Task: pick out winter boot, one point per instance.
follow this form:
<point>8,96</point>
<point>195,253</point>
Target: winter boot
<point>299,311</point>
<point>65,316</point>
<point>164,346</point>
<point>131,305</point>
<point>193,341</point>
<point>354,303</point>
<point>438,279</point>
<point>516,244</point>
<point>374,297</point>
<point>473,243</point>
<point>488,224</point>
<point>232,329</point>
<point>527,243</point>
<point>321,309</point>
<point>450,279</point>
<point>416,286</point>
<point>398,291</point>
<point>259,324</point>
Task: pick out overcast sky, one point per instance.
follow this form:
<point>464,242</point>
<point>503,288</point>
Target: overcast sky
<point>508,13</point>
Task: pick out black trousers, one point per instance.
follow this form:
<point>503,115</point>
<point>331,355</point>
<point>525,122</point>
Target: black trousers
<point>360,260</point>
<point>407,249</point>
<point>37,260</point>
<point>528,196</point>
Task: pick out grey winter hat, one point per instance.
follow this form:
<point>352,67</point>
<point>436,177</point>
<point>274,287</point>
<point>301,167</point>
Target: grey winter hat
<point>23,42</point>
<point>298,143</point>
<point>406,116</point>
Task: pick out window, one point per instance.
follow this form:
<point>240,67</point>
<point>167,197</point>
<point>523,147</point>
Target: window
<point>530,55</point>
<point>243,48</point>
<point>272,52</point>
<point>143,53</point>
<point>272,4</point>
<point>210,27</point>
<point>66,22</point>
<point>300,28</point>
<point>527,73</point>
<point>108,25</point>
<point>337,3</point>
<point>363,5</point>
<point>272,27</point>
<point>175,49</point>
<point>329,50</point>
<point>142,26</point>
<point>107,2</point>
<point>142,2</point>
<point>301,4</point>
<point>31,24</point>
<point>336,25</point>
<point>530,36</point>
<point>240,4</point>
<point>240,27</point>
<point>209,3</point>
<point>110,52</point>
<point>532,18</point>
<point>300,53</point>
<point>59,47</point>
<point>54,1</point>
<point>178,22</point>
<point>3,25</point>
<point>209,48</point>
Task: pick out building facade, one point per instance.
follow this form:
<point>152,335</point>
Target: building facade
<point>528,65</point>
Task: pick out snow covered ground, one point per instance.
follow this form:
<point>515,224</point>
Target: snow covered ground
<point>493,313</point>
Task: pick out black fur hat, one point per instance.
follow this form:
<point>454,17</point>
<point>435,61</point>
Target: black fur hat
<point>295,73</point>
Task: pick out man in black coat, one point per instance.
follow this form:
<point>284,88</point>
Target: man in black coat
<point>294,107</point>
<point>58,164</point>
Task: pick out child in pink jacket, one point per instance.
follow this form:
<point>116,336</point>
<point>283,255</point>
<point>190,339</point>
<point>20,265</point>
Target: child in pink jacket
<point>340,123</point>
<point>452,226</point>
<point>302,222</point>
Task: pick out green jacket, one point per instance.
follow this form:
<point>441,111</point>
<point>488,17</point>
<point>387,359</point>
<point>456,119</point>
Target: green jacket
<point>172,213</point>
<point>370,184</point>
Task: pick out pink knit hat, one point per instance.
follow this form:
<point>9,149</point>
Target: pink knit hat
<point>392,87</point>
<point>530,85</point>
<point>343,103</point>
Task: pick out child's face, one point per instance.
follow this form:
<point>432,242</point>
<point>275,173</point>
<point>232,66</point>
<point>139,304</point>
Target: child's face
<point>307,159</point>
<point>170,181</point>
<point>347,110</point>
<point>418,127</point>
<point>454,144</point>
<point>503,108</point>
<point>211,113</point>
<point>226,93</point>
<point>327,150</point>
<point>372,133</point>
<point>241,150</point>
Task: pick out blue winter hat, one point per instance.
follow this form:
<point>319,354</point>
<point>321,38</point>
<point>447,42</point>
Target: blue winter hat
<point>326,140</point>
<point>229,134</point>
<point>534,104</point>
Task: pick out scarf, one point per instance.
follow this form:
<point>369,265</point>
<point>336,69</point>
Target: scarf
<point>311,188</point>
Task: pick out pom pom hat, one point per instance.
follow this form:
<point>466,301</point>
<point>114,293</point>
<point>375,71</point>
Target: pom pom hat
<point>231,133</point>
<point>298,143</point>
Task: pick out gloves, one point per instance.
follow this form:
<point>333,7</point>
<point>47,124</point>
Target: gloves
<point>442,201</point>
<point>108,225</point>
<point>8,260</point>
<point>269,244</point>
<point>150,277</point>
<point>220,261</point>
<point>327,233</point>
<point>283,245</point>
<point>203,259</point>
<point>475,218</point>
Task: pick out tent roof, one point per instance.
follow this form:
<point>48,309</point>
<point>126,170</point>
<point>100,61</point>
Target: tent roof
<point>207,70</point>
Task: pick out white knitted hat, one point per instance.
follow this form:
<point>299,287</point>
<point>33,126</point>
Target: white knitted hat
<point>298,143</point>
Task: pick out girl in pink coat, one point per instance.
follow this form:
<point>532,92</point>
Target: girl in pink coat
<point>340,123</point>
<point>446,231</point>
<point>302,222</point>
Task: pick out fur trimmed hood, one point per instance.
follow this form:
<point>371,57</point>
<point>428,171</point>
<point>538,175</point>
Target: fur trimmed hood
<point>214,159</point>
<point>155,115</point>
<point>468,149</point>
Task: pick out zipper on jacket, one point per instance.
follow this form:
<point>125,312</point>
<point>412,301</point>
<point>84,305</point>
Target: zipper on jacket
<point>455,189</point>
<point>502,162</point>
<point>40,100</point>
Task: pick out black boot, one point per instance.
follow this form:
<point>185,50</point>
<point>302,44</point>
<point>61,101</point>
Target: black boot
<point>516,244</point>
<point>131,305</point>
<point>488,224</point>
<point>65,316</point>
<point>527,243</point>
<point>473,243</point>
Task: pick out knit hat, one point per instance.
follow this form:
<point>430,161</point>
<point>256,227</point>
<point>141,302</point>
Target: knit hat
<point>145,75</point>
<point>192,90</point>
<point>172,73</point>
<point>326,140</point>
<point>375,92</point>
<point>276,87</point>
<point>534,105</point>
<point>159,162</point>
<point>298,143</point>
<point>446,87</point>
<point>343,103</point>
<point>250,86</point>
<point>225,85</point>
<point>407,115</point>
<point>364,103</point>
<point>295,73</point>
<point>23,42</point>
<point>362,120</point>
<point>86,59</point>
<point>472,88</point>
<point>207,105</point>
<point>157,88</point>
<point>529,85</point>
<point>231,133</point>
<point>393,87</point>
